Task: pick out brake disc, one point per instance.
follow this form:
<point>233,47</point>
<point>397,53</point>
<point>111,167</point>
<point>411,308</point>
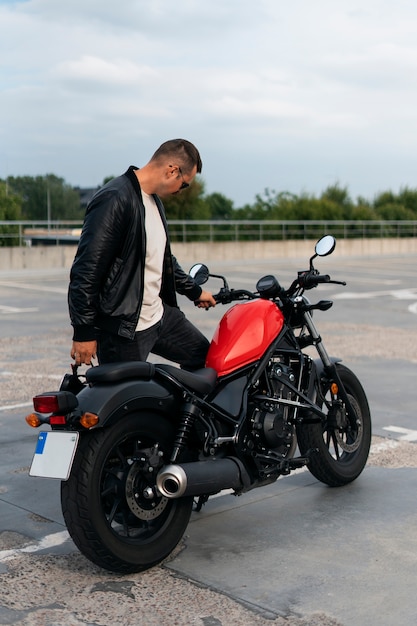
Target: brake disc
<point>145,508</point>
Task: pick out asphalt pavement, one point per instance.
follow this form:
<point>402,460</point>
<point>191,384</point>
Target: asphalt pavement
<point>281,554</point>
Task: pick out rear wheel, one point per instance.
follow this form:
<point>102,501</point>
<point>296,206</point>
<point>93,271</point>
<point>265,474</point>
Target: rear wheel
<point>110,504</point>
<point>341,450</point>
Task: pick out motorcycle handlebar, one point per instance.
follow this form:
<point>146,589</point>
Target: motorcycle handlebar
<point>226,296</point>
<point>313,281</point>
<point>322,278</point>
<point>305,280</point>
<point>308,280</point>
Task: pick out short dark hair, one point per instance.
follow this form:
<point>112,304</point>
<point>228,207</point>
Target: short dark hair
<point>183,151</point>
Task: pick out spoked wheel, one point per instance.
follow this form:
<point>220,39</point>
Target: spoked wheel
<point>111,507</point>
<point>341,450</point>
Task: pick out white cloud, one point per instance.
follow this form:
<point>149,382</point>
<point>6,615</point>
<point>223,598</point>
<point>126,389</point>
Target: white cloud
<point>110,72</point>
<point>296,93</point>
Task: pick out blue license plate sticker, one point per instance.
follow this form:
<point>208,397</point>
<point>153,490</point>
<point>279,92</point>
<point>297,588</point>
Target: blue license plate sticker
<point>40,446</point>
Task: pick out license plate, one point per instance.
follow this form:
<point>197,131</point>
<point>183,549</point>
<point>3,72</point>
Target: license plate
<point>54,454</point>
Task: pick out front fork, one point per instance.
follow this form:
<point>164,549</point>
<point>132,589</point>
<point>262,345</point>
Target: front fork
<point>330,369</point>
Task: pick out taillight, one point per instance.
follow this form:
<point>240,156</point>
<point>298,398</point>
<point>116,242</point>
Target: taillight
<point>55,402</point>
<point>57,420</point>
<point>45,403</point>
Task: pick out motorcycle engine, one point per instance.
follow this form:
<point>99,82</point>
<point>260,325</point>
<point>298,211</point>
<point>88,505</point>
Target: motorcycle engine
<point>272,428</point>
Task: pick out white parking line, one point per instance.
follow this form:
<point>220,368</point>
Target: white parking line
<point>61,290</point>
<point>406,434</point>
<point>13,309</point>
<point>398,294</point>
<point>49,541</point>
<point>52,376</point>
<point>10,407</point>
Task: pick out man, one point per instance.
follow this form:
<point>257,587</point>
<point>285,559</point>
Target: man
<point>124,279</point>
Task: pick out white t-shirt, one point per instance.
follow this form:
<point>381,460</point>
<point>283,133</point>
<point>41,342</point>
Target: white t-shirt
<point>152,308</point>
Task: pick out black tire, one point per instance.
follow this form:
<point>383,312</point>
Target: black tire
<point>341,452</point>
<point>106,512</point>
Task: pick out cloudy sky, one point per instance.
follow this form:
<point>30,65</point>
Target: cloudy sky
<point>290,96</point>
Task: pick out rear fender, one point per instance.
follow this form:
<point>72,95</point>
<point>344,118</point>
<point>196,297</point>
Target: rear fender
<point>113,401</point>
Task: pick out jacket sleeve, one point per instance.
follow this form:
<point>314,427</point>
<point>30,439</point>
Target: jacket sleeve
<point>103,230</point>
<point>184,284</point>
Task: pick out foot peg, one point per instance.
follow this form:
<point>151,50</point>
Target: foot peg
<point>289,465</point>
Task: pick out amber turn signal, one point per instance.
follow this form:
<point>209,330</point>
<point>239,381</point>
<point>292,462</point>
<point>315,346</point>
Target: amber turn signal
<point>33,420</point>
<point>88,420</point>
<point>334,388</point>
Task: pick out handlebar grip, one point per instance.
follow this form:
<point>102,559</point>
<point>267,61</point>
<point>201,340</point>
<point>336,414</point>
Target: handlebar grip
<point>223,297</point>
<point>311,280</point>
<point>226,296</point>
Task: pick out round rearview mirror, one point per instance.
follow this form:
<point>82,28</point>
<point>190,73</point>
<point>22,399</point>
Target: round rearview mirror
<point>325,245</point>
<point>200,273</point>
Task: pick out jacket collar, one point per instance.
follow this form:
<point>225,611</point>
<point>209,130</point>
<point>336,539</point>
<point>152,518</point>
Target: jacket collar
<point>130,173</point>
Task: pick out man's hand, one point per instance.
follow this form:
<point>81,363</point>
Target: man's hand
<point>206,300</point>
<point>83,351</point>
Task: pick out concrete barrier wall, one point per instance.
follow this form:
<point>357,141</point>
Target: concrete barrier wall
<point>40,257</point>
<point>37,257</point>
<point>192,252</point>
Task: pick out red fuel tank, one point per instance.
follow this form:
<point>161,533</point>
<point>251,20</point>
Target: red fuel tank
<point>243,334</point>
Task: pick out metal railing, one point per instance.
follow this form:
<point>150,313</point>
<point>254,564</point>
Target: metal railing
<point>25,233</point>
<point>270,230</point>
<point>22,233</point>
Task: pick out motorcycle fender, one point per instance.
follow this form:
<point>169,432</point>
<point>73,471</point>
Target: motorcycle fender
<point>112,402</point>
<point>317,372</point>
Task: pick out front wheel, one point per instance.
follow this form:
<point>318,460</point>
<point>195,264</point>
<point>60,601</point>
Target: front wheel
<point>339,452</point>
<point>110,504</point>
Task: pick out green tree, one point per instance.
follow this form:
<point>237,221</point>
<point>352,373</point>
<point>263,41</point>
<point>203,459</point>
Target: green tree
<point>337,196</point>
<point>189,204</point>
<point>408,199</point>
<point>286,207</point>
<point>394,211</point>
<point>388,206</point>
<point>10,203</point>
<point>262,209</point>
<point>362,211</point>
<point>46,197</point>
<point>10,210</point>
<point>220,207</point>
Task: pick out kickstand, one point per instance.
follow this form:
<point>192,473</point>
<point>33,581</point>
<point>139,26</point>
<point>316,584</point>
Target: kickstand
<point>200,502</point>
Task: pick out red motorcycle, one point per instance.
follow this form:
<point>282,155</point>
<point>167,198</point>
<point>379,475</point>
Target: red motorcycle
<point>136,444</point>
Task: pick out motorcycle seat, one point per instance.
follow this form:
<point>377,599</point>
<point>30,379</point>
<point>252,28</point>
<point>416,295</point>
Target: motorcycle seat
<point>114,372</point>
<point>202,381</point>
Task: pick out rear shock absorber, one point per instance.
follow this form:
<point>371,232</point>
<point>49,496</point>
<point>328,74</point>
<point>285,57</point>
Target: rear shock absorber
<point>189,413</point>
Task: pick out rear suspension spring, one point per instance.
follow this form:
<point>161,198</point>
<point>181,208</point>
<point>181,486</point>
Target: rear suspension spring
<point>189,414</point>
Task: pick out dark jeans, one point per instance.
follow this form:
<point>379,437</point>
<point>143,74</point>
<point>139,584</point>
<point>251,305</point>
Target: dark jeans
<point>173,338</point>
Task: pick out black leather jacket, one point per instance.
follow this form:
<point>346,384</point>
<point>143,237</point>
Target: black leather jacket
<point>106,280</point>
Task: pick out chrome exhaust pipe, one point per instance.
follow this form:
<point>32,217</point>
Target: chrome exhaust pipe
<point>201,477</point>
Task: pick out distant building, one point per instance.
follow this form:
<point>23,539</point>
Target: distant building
<point>85,193</point>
